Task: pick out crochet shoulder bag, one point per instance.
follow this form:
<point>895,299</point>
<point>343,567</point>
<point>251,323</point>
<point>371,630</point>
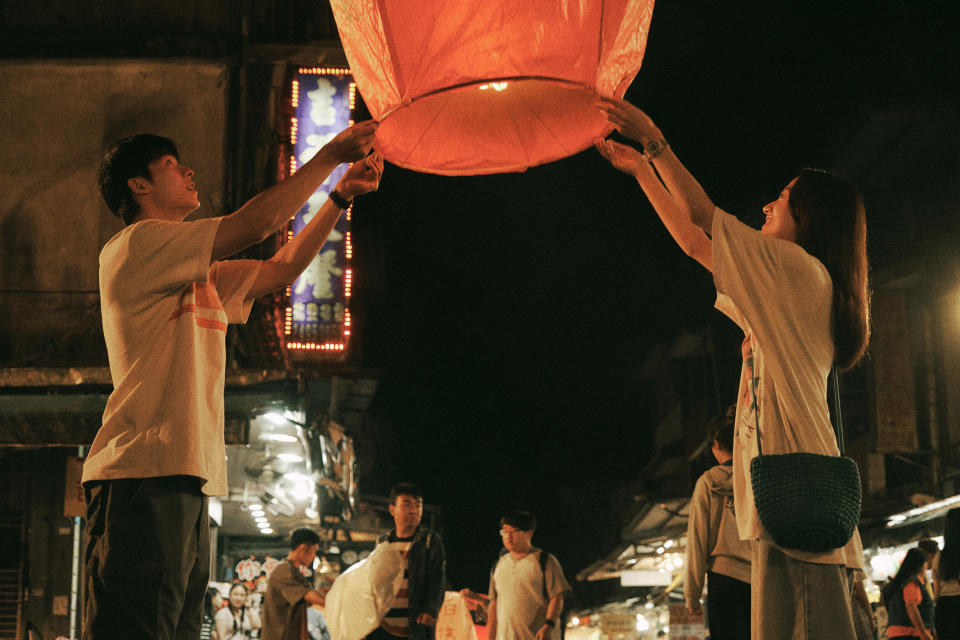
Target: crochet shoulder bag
<point>807,501</point>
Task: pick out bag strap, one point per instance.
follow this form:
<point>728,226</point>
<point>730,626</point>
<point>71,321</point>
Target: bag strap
<point>544,556</point>
<point>836,407</point>
<point>835,385</point>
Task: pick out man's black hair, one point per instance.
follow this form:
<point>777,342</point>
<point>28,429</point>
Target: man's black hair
<point>129,158</point>
<point>303,536</point>
<point>522,520</point>
<point>405,489</point>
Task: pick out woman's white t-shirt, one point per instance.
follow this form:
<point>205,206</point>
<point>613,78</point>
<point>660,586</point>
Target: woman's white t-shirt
<point>781,297</point>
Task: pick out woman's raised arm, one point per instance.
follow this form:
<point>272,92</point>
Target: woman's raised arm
<point>672,211</point>
<point>637,125</point>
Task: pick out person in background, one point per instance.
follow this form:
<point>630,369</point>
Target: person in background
<point>527,585</point>
<point>212,601</point>
<point>906,599</point>
<point>946,579</point>
<point>237,621</point>
<point>932,548</point>
<point>288,590</point>
<point>714,548</point>
<point>413,613</point>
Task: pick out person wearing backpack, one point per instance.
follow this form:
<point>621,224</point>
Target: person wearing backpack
<point>714,548</point>
<point>526,585</point>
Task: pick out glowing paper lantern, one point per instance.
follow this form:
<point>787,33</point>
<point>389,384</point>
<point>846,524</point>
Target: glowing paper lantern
<point>486,86</point>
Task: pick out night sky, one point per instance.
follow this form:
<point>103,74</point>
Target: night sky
<point>510,314</point>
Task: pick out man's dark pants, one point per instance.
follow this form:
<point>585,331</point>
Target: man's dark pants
<point>728,607</point>
<point>147,558</point>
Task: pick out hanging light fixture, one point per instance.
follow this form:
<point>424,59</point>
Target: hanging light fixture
<point>463,87</point>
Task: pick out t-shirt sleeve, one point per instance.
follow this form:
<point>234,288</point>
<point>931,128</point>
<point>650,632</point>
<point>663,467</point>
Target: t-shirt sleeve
<point>912,593</point>
<point>770,285</point>
<point>748,266</point>
<point>162,255</point>
<point>233,279</point>
<point>492,589</point>
<point>291,588</point>
<point>556,582</point>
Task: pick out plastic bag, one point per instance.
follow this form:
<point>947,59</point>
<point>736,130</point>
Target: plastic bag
<point>454,621</point>
<point>361,596</point>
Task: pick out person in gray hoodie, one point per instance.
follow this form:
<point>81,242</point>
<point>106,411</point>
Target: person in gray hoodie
<point>714,548</point>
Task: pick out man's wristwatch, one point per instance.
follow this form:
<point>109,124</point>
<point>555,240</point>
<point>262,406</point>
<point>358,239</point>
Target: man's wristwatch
<point>339,200</point>
<point>550,623</point>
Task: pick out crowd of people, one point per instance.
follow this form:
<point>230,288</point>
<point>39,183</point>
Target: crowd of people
<point>527,587</point>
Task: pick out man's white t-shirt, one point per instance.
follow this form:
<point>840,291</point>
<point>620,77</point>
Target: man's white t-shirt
<point>165,312</point>
<point>781,297</point>
<point>517,586</point>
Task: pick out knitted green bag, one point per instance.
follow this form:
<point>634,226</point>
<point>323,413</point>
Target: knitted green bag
<point>807,501</point>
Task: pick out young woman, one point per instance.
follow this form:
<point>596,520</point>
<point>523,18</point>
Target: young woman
<point>946,576</point>
<point>798,289</point>
<point>906,598</point>
<point>237,621</point>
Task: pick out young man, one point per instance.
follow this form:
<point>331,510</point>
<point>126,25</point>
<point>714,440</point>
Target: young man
<point>287,586</point>
<point>714,547</point>
<point>413,613</point>
<point>166,299</point>
<point>526,585</point>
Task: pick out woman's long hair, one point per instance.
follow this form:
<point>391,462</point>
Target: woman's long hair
<point>911,566</point>
<point>208,601</point>
<point>832,227</point>
<point>949,568</point>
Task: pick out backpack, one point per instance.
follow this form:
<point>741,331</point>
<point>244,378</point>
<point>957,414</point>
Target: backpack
<point>544,556</point>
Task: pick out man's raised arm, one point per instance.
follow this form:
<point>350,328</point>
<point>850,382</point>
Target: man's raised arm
<point>295,256</point>
<point>268,211</point>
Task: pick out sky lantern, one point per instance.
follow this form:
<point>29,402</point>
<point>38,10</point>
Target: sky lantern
<point>464,87</point>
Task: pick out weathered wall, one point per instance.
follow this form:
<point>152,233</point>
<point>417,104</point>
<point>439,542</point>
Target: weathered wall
<point>56,120</point>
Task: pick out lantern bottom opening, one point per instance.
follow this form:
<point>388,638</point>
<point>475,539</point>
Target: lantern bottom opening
<point>492,126</point>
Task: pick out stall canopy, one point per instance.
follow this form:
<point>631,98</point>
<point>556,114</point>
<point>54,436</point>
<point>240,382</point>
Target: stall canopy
<point>463,87</point>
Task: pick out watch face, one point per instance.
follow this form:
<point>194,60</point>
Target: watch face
<point>655,148</point>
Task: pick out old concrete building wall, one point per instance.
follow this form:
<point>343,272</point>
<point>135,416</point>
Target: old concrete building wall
<point>59,119</point>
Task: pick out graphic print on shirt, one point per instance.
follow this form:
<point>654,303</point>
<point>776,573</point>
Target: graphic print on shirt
<point>748,398</point>
<point>201,299</point>
<point>397,620</point>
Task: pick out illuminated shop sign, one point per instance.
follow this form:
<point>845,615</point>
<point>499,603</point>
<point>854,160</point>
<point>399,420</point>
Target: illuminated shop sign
<point>318,310</point>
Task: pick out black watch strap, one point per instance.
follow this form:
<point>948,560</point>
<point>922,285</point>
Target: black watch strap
<point>550,623</point>
<point>339,200</point>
